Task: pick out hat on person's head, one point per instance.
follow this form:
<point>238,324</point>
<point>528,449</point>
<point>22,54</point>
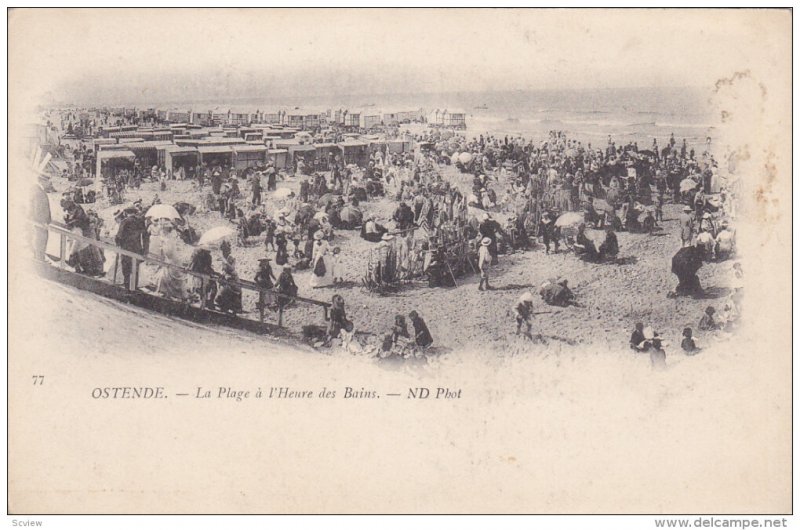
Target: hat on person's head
<point>287,267</point>
<point>687,208</point>
<point>562,282</point>
<point>118,214</point>
<point>526,297</point>
<point>486,241</point>
<point>706,215</point>
<point>387,237</point>
<point>318,235</point>
<point>263,260</point>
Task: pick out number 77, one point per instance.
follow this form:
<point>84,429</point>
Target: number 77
<point>38,379</point>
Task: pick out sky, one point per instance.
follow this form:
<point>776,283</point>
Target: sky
<point>139,56</point>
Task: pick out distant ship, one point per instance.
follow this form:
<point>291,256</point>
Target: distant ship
<point>482,107</point>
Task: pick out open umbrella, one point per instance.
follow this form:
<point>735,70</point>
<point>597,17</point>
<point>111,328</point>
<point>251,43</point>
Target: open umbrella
<point>465,158</point>
<point>162,211</point>
<point>326,199</point>
<point>352,215</point>
<point>569,219</point>
<point>687,185</point>
<point>217,234</point>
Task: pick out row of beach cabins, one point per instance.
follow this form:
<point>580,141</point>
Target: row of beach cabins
<point>240,147</point>
<point>300,118</point>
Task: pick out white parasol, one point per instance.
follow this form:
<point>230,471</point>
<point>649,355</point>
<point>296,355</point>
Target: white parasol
<point>215,235</point>
<point>163,211</point>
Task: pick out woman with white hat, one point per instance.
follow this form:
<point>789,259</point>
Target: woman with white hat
<point>321,273</point>
<point>484,262</point>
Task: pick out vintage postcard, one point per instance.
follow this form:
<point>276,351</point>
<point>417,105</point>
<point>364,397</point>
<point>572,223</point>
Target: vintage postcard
<point>399,261</point>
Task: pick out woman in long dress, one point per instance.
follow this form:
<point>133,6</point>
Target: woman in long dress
<point>84,257</point>
<point>170,282</point>
<point>320,268</point>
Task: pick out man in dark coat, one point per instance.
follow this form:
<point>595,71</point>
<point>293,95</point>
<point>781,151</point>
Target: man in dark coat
<point>40,213</point>
<point>286,285</point>
<point>255,186</point>
<point>490,228</point>
<point>404,216</point>
<point>130,236</point>
<point>216,182</point>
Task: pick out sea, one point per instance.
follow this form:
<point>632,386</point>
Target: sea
<point>589,115</point>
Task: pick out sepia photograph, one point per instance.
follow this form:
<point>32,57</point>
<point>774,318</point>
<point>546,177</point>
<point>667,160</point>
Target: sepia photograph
<point>407,261</point>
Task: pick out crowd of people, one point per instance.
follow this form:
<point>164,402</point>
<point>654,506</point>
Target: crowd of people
<point>557,193</point>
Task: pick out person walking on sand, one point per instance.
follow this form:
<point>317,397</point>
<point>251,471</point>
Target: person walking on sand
<point>687,226</point>
<point>523,311</point>
<point>484,262</point>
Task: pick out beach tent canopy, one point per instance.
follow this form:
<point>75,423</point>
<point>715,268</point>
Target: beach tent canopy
<point>210,149</point>
<point>178,149</point>
<point>115,153</point>
<point>250,148</point>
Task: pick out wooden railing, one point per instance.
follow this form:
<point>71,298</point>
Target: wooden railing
<point>65,233</point>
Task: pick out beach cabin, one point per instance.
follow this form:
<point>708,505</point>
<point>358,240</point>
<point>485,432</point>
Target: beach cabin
<point>249,156</point>
<point>371,119</point>
<point>175,156</point>
<point>326,153</point>
<point>213,155</point>
<point>112,161</point>
<point>352,119</point>
<point>239,118</point>
<point>278,157</point>
<point>302,119</point>
<point>146,152</point>
<point>202,118</point>
<point>399,146</point>
<point>355,152</point>
<point>98,143</point>
<point>391,118</point>
<point>305,151</point>
<point>271,117</point>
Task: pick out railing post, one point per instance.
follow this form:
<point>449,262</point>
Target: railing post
<point>203,292</point>
<point>280,312</point>
<point>134,274</point>
<point>63,251</point>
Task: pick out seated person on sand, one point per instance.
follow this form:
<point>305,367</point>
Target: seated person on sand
<point>583,245</point>
<point>372,231</point>
<point>687,344</point>
<point>707,323</point>
<point>637,337</point>
<point>557,293</point>
<point>609,248</point>
<point>649,224</point>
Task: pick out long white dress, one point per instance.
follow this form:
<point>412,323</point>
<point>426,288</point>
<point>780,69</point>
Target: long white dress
<point>171,283</point>
<point>321,252</point>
